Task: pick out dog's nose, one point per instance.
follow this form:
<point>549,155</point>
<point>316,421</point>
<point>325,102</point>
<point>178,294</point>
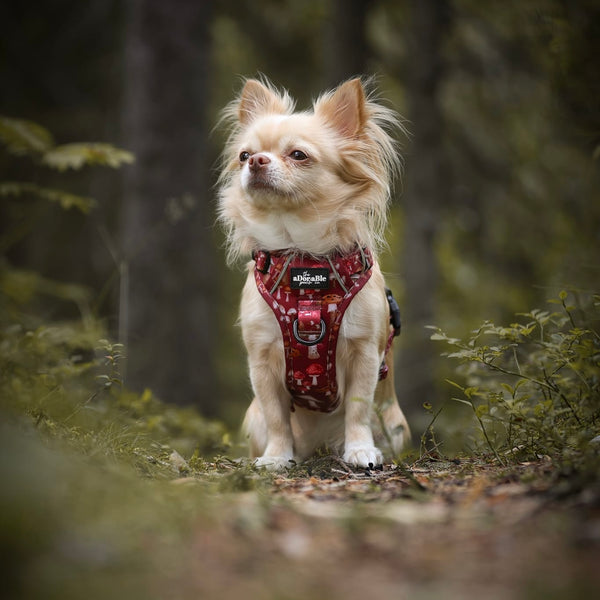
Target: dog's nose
<point>257,161</point>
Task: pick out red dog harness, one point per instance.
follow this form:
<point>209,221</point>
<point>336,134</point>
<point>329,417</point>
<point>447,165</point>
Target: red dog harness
<point>309,296</point>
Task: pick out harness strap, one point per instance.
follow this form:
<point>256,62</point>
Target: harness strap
<point>309,296</point>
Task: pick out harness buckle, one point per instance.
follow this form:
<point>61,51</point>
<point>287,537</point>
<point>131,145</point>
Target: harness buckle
<point>262,258</point>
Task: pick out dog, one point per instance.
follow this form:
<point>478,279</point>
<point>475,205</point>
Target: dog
<point>306,195</point>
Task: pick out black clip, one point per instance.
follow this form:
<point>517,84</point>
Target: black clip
<point>394,312</point>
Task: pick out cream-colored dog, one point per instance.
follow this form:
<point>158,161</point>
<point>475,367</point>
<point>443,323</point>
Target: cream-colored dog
<point>313,183</point>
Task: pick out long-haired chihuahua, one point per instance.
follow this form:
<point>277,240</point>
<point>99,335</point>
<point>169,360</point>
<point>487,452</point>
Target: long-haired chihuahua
<point>306,195</point>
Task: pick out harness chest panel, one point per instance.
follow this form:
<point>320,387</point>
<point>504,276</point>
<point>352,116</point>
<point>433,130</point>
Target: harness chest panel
<point>309,296</point>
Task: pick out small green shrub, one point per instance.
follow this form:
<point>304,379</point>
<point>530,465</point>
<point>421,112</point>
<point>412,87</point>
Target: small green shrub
<point>534,386</point>
<point>63,376</point>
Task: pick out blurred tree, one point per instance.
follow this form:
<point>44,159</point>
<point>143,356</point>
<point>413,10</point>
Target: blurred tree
<point>52,72</point>
<point>499,199</point>
<point>523,216</point>
<point>282,39</point>
<point>171,279</point>
<point>346,54</point>
<point>425,194</point>
<point>570,31</point>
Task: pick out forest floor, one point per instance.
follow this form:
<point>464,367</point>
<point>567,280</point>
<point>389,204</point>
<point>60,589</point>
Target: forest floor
<point>446,529</point>
<point>76,527</point>
<point>439,529</point>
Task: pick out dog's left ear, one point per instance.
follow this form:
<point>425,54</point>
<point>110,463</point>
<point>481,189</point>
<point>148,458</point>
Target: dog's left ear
<point>345,108</point>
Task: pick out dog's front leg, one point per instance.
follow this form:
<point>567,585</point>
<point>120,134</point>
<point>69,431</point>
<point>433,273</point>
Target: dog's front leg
<point>359,448</point>
<point>274,403</point>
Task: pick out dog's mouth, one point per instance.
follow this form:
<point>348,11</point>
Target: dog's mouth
<point>269,188</point>
<point>262,182</point>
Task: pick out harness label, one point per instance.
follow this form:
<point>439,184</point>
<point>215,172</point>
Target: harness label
<point>309,278</point>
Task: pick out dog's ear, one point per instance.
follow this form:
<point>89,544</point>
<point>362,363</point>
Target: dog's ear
<point>345,108</point>
<point>259,99</point>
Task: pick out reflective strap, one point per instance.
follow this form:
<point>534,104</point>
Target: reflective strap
<point>281,274</point>
<point>337,275</point>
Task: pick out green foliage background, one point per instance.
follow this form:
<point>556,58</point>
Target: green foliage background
<point>63,374</point>
<point>515,217</point>
<point>107,487</point>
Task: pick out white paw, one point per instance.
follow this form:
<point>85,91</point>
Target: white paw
<point>274,463</point>
<point>362,455</point>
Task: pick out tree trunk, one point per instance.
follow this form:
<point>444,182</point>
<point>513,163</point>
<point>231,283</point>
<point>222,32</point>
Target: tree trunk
<point>168,277</point>
<point>347,51</point>
<point>425,193</point>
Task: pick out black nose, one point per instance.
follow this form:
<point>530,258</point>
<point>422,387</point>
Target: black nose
<point>258,161</point>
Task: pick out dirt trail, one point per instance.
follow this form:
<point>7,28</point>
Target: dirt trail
<point>443,530</point>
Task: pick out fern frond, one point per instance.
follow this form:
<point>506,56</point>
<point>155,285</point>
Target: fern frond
<point>23,137</point>
<point>21,286</point>
<point>66,200</point>
<point>76,156</point>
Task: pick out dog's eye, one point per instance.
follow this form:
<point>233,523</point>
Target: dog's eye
<point>244,156</point>
<point>298,155</point>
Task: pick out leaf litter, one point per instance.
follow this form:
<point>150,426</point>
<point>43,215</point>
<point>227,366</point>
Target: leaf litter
<point>221,528</point>
<point>437,528</point>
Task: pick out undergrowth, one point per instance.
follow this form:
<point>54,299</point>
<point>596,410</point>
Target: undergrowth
<point>62,376</point>
<point>532,387</point>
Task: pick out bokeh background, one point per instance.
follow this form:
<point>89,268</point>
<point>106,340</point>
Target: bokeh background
<point>498,208</point>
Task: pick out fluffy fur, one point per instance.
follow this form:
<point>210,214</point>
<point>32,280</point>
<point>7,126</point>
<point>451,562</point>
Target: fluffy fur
<point>315,182</point>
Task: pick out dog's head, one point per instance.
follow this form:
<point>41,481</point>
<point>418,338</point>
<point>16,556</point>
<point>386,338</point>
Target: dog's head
<point>334,164</point>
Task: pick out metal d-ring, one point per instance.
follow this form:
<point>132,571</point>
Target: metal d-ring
<point>312,342</point>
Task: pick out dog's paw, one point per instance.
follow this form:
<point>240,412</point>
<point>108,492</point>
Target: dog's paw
<point>274,463</point>
<point>362,455</point>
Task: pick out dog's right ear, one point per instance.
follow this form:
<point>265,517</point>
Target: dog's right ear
<point>258,99</point>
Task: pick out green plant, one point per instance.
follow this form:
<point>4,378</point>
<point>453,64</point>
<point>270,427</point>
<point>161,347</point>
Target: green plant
<point>64,376</point>
<point>41,359</point>
<point>33,143</point>
<point>534,386</point>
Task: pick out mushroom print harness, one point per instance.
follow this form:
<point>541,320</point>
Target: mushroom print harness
<point>309,296</point>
